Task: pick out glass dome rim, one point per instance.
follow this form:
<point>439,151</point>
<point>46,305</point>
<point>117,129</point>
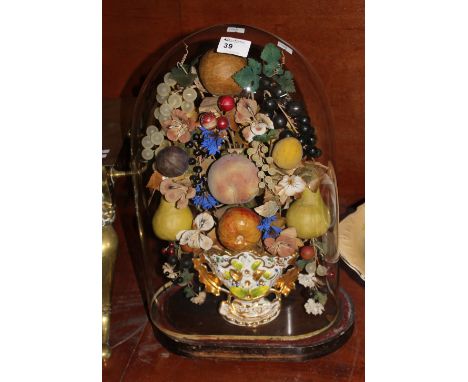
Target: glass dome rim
<point>306,62</point>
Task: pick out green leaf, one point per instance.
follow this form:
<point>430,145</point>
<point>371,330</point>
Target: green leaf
<point>247,78</point>
<point>270,70</point>
<point>187,276</point>
<point>321,297</point>
<point>270,53</point>
<point>271,134</point>
<point>255,65</point>
<point>182,78</point>
<point>237,265</point>
<point>322,271</point>
<point>255,265</point>
<point>227,275</point>
<point>188,291</point>
<point>301,263</point>
<point>286,82</point>
<point>267,275</point>
<point>239,292</point>
<point>311,267</point>
<point>259,291</point>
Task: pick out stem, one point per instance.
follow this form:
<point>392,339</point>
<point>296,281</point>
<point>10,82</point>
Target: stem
<point>290,121</point>
<point>232,138</point>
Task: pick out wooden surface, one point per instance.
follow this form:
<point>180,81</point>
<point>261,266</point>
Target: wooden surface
<point>138,356</point>
<point>330,34</point>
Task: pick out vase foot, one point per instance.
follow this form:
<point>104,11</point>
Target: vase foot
<point>250,313</point>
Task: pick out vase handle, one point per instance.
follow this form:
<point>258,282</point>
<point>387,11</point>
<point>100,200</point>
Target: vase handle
<point>286,283</point>
<point>210,280</point>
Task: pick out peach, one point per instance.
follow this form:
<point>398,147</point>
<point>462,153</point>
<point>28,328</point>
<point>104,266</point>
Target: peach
<point>233,179</point>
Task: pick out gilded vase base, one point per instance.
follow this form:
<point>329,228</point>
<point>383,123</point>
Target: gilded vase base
<point>250,313</point>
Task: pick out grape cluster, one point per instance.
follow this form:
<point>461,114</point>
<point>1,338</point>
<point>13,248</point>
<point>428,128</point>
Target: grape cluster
<point>170,99</point>
<point>197,151</point>
<point>277,104</point>
<point>307,136</point>
<point>271,101</point>
<point>179,263</point>
<point>153,138</point>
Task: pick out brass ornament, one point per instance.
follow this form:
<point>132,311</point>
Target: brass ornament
<point>286,283</point>
<point>211,282</point>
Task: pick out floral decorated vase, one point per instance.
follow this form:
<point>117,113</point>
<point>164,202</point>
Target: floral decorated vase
<point>248,277</point>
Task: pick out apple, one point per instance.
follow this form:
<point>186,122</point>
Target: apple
<point>222,123</point>
<point>208,120</point>
<point>307,252</point>
<point>226,103</point>
<point>237,229</point>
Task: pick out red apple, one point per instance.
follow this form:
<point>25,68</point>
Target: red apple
<point>222,123</point>
<point>226,103</point>
<point>208,120</point>
<point>307,252</point>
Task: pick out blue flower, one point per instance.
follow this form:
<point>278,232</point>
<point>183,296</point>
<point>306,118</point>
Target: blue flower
<point>211,141</point>
<point>267,229</point>
<point>205,201</point>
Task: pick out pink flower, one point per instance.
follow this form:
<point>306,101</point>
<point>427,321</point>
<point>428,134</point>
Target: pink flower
<point>286,244</point>
<point>175,192</point>
<point>179,126</point>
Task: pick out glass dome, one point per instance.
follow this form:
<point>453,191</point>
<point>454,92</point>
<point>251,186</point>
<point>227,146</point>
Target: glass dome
<point>234,187</point>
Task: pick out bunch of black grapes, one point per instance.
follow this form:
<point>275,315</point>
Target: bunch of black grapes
<point>295,110</point>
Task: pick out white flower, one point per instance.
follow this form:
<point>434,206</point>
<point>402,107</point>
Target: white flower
<point>308,280</point>
<point>257,127</point>
<point>268,209</point>
<point>194,238</point>
<point>169,269</point>
<point>199,298</point>
<point>313,307</point>
<point>291,185</point>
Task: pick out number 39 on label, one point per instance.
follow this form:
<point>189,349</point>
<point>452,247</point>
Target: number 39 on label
<point>235,46</point>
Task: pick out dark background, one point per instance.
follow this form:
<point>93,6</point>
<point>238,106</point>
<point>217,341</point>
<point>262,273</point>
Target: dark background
<point>329,33</point>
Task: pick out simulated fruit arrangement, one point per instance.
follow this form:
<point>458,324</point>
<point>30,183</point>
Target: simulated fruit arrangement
<point>235,162</point>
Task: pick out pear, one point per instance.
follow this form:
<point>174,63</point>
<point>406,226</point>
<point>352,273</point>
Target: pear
<point>169,220</point>
<point>309,215</point>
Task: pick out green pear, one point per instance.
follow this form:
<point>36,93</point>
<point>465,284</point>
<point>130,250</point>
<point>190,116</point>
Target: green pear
<point>169,220</point>
<point>309,215</point>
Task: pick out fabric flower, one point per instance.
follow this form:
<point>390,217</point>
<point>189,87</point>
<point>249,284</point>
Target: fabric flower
<point>257,127</point>
<point>195,238</point>
<point>313,307</point>
<point>179,126</point>
<point>245,111</point>
<point>169,272</point>
<point>285,244</point>
<point>268,209</point>
<point>308,280</point>
<point>176,192</point>
<point>247,115</point>
<point>291,185</point>
<point>199,298</point>
<point>267,229</point>
<point>212,141</point>
<point>204,199</point>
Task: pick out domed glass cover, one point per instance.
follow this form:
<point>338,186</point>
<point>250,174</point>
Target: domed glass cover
<point>234,188</point>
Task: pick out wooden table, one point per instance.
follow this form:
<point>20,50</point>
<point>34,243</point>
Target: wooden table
<point>138,356</point>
